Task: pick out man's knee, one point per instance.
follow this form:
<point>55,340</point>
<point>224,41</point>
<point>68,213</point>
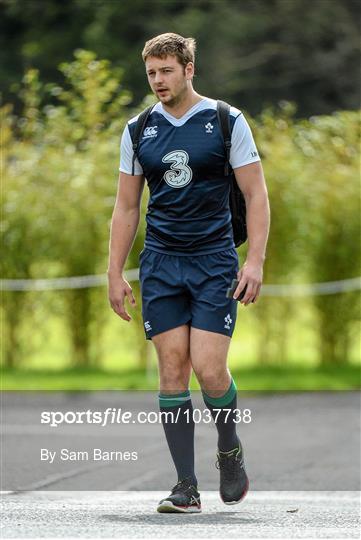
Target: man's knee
<point>214,379</point>
<point>204,378</point>
<point>174,371</point>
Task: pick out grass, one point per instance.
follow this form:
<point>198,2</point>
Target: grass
<point>253,378</point>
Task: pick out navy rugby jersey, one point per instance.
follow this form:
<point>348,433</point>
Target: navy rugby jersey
<point>183,161</point>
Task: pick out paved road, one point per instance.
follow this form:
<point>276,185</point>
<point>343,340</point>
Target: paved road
<point>301,451</point>
<point>295,442</point>
<point>131,515</point>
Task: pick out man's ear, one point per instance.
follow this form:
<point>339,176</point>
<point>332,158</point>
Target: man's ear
<point>189,70</point>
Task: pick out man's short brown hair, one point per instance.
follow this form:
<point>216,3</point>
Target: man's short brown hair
<point>173,44</point>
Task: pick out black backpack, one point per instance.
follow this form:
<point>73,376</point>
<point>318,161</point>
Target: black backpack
<point>237,203</point>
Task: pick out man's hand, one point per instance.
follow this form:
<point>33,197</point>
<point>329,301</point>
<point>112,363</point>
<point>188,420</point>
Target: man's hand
<point>251,274</point>
<point>118,289</point>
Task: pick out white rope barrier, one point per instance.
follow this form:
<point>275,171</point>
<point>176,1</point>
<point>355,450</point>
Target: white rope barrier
<point>82,282</point>
<point>74,282</point>
<point>312,289</point>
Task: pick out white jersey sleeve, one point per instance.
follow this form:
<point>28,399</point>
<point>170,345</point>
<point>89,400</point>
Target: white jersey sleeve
<point>126,155</point>
<point>243,150</point>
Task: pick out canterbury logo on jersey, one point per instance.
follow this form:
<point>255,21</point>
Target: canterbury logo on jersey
<point>150,132</point>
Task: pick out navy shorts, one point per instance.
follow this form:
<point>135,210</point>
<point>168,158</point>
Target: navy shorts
<point>179,290</point>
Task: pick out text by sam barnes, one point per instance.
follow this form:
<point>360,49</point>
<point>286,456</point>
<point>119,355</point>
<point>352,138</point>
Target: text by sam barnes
<point>96,454</point>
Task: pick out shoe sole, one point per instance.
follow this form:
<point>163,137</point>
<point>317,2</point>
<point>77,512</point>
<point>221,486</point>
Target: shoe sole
<point>168,507</point>
<point>239,500</point>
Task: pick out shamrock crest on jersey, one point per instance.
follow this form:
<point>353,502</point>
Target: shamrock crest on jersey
<point>179,174</point>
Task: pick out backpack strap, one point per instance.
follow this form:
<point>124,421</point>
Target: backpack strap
<point>139,128</point>
<point>223,110</point>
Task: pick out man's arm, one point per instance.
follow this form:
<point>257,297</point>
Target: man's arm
<point>250,180</point>
<point>124,225</point>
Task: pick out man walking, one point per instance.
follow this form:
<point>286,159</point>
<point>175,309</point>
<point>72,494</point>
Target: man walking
<point>189,258</point>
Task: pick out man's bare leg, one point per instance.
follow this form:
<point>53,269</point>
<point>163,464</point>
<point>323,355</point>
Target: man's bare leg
<point>208,351</point>
<point>173,359</point>
<point>209,360</point>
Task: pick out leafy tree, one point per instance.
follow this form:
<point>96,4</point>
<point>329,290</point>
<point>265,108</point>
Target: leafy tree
<point>331,175</point>
<point>285,263</point>
<point>251,52</point>
<point>312,172</point>
<point>64,159</point>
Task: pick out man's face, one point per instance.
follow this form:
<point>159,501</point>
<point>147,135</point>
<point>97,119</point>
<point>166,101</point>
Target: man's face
<point>168,78</point>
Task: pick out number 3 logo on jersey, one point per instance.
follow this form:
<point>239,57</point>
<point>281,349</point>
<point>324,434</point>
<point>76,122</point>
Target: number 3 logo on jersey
<point>179,174</point>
